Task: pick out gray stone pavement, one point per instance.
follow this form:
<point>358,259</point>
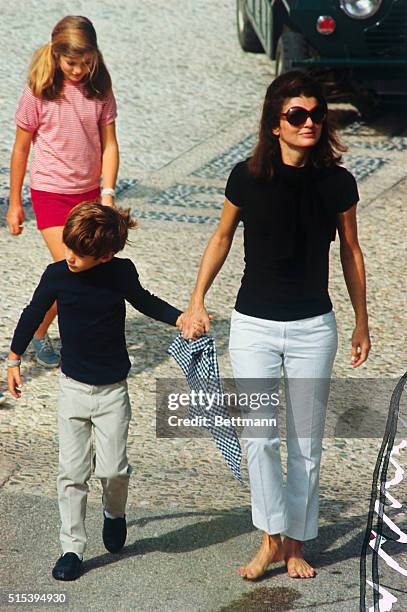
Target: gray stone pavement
<point>189,102</point>
<point>175,561</point>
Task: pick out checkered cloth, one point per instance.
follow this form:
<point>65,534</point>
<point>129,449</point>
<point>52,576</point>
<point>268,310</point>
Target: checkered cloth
<point>198,361</point>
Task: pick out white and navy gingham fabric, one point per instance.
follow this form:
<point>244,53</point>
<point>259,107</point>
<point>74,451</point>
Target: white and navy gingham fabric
<point>198,361</point>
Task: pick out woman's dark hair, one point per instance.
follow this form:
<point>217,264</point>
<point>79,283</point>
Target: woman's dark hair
<point>325,153</point>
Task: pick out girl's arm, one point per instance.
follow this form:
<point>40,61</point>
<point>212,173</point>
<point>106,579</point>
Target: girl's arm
<point>355,278</point>
<point>212,261</point>
<point>110,159</point>
<point>21,150</point>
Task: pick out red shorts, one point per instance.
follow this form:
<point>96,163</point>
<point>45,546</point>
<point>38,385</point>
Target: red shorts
<point>52,209</point>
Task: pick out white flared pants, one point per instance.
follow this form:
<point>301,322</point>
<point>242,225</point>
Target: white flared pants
<point>305,349</point>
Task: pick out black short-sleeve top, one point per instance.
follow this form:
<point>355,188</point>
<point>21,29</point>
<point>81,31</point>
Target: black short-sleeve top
<point>289,222</point>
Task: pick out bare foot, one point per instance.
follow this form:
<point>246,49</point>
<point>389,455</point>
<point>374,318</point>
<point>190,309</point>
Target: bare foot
<point>297,567</point>
<point>271,551</point>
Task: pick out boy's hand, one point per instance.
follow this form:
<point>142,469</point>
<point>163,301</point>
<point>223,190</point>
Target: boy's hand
<point>191,329</point>
<point>15,381</point>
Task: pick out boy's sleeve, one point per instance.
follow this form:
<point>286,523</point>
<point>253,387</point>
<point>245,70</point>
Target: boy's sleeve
<point>33,314</point>
<point>144,301</point>
<point>27,115</point>
<point>109,110</point>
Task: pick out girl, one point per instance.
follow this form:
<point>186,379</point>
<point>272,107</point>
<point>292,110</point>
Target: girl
<point>68,112</point>
<point>292,197</point>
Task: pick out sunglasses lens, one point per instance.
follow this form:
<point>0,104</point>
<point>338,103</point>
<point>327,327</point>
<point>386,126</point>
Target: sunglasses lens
<point>318,114</point>
<point>296,116</point>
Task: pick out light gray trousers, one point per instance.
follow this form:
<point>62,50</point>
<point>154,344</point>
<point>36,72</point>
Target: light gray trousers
<point>105,409</point>
<point>305,349</point>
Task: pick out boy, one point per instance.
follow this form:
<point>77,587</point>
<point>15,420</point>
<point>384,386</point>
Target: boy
<point>90,286</point>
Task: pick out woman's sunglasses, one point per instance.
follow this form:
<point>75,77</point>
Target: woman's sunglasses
<point>297,115</point>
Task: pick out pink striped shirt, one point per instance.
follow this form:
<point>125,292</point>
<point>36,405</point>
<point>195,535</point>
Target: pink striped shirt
<point>66,138</point>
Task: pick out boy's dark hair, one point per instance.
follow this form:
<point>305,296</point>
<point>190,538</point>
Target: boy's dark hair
<point>97,230</point>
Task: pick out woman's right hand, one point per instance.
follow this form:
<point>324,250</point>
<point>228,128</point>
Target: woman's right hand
<point>15,218</point>
<point>194,322</point>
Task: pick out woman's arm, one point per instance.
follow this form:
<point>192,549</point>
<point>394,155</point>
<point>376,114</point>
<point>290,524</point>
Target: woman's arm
<point>110,159</point>
<point>355,279</point>
<point>212,261</point>
<point>18,165</point>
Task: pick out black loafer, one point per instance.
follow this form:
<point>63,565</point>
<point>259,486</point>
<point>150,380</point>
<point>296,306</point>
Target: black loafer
<point>68,567</point>
<point>114,533</point>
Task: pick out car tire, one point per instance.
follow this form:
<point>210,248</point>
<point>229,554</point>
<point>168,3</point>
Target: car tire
<point>291,46</point>
<point>248,39</point>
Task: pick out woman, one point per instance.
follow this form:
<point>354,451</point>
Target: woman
<point>292,197</point>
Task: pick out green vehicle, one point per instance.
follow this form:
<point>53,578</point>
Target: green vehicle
<point>359,47</point>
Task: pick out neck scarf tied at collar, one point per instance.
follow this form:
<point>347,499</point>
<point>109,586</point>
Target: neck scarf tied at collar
<point>301,211</point>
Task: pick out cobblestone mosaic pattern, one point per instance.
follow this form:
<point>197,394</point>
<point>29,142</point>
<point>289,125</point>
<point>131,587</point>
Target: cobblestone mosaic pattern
<point>360,166</point>
<point>398,143</point>
<point>191,196</point>
<point>223,164</point>
<point>123,185</point>
<point>165,114</point>
<point>363,166</point>
<point>397,131</point>
<point>198,198</point>
<point>160,215</point>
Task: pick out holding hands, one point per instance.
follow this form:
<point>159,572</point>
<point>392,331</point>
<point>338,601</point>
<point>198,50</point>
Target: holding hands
<point>194,322</point>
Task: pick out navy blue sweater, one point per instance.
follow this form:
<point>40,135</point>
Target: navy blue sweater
<point>91,317</point>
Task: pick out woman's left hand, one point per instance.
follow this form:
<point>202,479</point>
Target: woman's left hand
<point>360,345</point>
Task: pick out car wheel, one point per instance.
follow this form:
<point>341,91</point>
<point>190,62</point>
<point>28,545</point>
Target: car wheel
<point>291,46</point>
<point>246,34</point>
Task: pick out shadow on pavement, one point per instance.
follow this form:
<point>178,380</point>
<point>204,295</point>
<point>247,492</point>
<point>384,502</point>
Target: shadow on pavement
<point>228,525</point>
<point>388,121</point>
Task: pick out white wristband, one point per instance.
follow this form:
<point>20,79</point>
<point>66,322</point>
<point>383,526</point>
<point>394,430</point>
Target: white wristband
<point>108,191</point>
<point>12,363</point>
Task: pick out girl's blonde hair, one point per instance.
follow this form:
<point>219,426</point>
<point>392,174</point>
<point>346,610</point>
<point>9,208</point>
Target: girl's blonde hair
<point>73,36</point>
